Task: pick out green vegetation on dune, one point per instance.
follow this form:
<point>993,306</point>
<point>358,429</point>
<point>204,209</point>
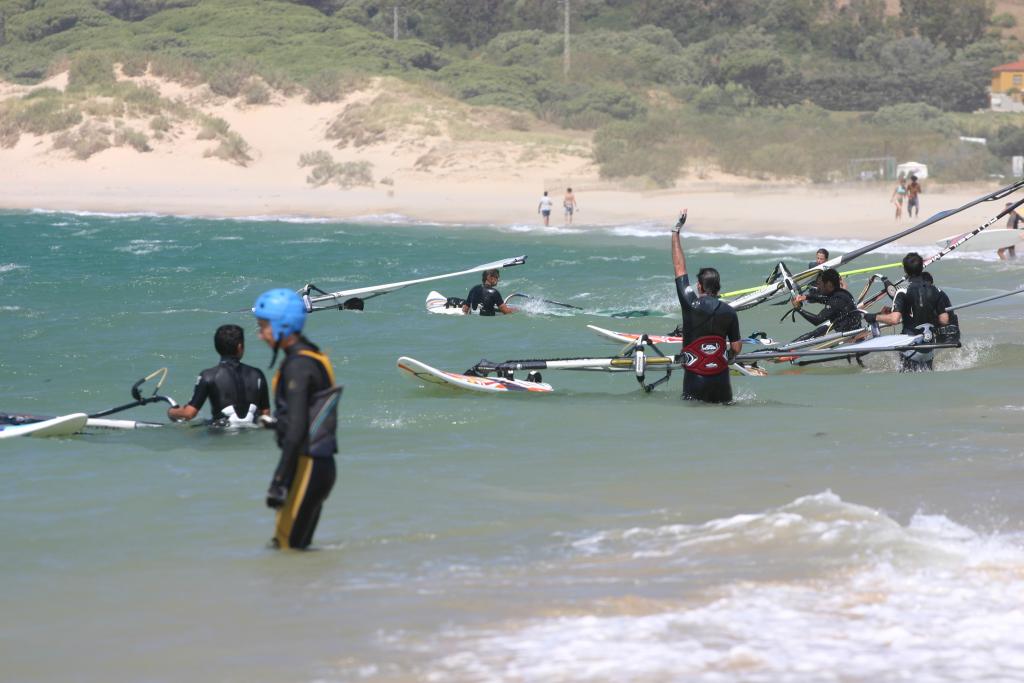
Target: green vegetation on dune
<point>756,87</point>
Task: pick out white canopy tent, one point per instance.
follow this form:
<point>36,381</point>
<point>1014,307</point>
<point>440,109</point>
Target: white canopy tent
<point>910,168</point>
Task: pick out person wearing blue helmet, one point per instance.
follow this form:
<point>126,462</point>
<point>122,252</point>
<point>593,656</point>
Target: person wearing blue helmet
<point>305,407</point>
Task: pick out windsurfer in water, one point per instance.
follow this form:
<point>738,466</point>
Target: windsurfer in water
<point>711,329</point>
<point>819,257</point>
<point>485,297</point>
<point>840,309</point>
<point>305,405</point>
<point>237,392</point>
<point>921,307</point>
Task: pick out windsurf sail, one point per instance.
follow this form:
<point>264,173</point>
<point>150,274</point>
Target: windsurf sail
<point>891,288</point>
<point>891,342</point>
<point>338,300</point>
<point>775,285</point>
<point>98,419</point>
<point>844,273</point>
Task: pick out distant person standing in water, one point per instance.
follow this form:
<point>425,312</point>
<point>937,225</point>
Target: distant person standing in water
<point>913,201</point>
<point>819,257</point>
<point>569,202</point>
<point>544,208</point>
<point>898,195</point>
<point>1012,223</point>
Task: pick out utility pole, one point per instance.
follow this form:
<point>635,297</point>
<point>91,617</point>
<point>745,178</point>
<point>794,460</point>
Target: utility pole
<point>565,54</point>
<point>395,23</point>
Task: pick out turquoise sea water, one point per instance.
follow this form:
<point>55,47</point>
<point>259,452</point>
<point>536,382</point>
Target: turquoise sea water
<point>835,524</point>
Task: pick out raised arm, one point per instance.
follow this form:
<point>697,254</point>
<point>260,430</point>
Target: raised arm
<point>678,257</point>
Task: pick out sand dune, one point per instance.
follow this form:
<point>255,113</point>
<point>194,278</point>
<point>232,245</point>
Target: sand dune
<point>432,159</point>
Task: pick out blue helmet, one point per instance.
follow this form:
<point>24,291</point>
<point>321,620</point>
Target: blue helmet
<point>283,309</point>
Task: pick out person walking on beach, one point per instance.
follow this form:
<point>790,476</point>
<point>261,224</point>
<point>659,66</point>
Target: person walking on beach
<point>237,392</point>
<point>913,197</point>
<point>711,329</point>
<point>544,207</point>
<point>898,196</point>
<point>569,202</point>
<point>306,407</point>
<point>485,297</point>
<point>921,304</point>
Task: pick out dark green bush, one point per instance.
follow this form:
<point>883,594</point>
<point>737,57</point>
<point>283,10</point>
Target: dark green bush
<point>50,17</point>
<point>91,69</point>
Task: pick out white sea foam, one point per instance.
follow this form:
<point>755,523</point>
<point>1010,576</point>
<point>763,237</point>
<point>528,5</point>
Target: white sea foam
<point>11,267</point>
<point>144,247</point>
<point>100,214</point>
<point>634,231</point>
<point>387,218</point>
<point>875,601</point>
<point>967,356</point>
<point>728,248</point>
<point>227,238</point>
<point>635,258</point>
<point>309,240</point>
<point>541,229</point>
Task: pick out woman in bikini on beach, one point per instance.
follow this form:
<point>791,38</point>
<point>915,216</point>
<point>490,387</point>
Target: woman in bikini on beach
<point>898,196</point>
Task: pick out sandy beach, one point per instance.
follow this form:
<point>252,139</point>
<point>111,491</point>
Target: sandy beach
<point>438,161</point>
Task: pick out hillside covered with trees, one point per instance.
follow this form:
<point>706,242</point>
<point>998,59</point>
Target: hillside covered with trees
<point>790,88</point>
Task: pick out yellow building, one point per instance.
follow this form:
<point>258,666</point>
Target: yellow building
<point>1008,76</point>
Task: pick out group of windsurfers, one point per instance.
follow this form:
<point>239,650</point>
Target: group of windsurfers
<point>711,334</point>
<point>306,395</point>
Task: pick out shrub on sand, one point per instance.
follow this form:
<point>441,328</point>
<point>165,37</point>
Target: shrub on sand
<point>136,139</point>
<point>323,170</point>
<point>88,139</point>
<point>255,92</point>
<point>232,148</point>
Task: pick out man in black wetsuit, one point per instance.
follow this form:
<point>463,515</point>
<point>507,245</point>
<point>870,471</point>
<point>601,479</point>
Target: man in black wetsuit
<point>485,297</point>
<point>305,405</point>
<point>237,392</point>
<point>951,331</point>
<point>711,330</point>
<point>840,309</point>
<point>921,307</point>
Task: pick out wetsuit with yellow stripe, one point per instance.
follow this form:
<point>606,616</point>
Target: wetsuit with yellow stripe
<point>305,399</point>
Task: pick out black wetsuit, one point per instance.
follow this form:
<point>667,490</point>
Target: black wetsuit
<point>840,309</point>
<point>921,303</point>
<point>706,316</point>
<point>303,388</point>
<point>231,383</point>
<point>487,299</point>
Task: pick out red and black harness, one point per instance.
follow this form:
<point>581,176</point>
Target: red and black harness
<point>706,356</point>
